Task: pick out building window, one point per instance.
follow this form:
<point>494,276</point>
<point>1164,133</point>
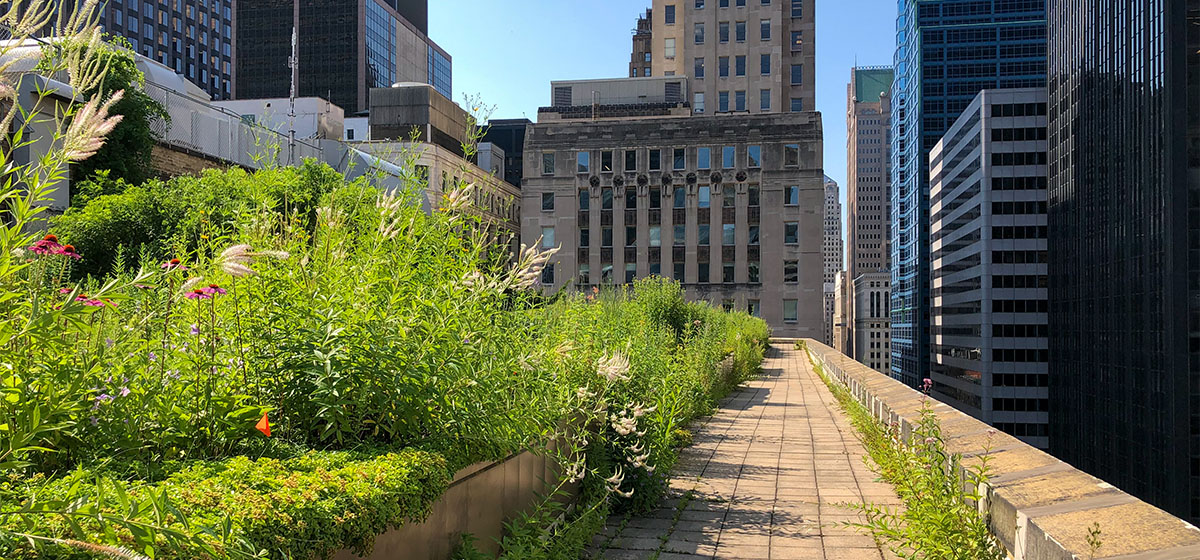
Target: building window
<point>547,163</point>
<point>702,237</point>
<point>753,235</point>
<point>699,4</point>
<point>548,275</point>
<point>582,161</point>
<point>704,197</point>
<point>680,199</point>
<point>630,198</point>
<point>699,32</point>
<point>606,162</point>
<point>680,158</point>
<point>791,155</point>
<point>727,157</point>
<point>647,57</point>
<point>630,272</point>
<point>669,48</point>
<point>585,200</point>
<point>797,74</point>
<point>606,199</point>
<point>723,3</point>
<point>723,101</point>
<point>585,235</point>
<point>791,195</point>
<point>723,66</point>
<point>702,158</point>
<point>349,131</point>
<point>548,237</point>
<point>797,8</point>
<point>656,269</point>
<point>764,64</point>
<point>764,100</point>
<point>698,104</point>
<point>791,272</point>
<point>547,201</point>
<point>677,272</point>
<point>656,236</point>
<point>741,3</point>
<point>739,31</point>
<point>753,276</point>
<point>728,201</point>
<point>680,236</point>
<point>753,307</point>
<point>606,273</point>
<point>630,160</point>
<point>790,311</point>
<point>699,71</point>
<point>727,233</point>
<point>655,199</point>
<point>791,233</point>
<point>606,237</point>
<point>739,100</point>
<point>752,196</point>
<point>723,31</point>
<point>764,30</point>
<point>727,277</point>
<point>646,71</point>
<point>797,40</point>
<point>703,272</point>
<point>630,236</point>
<point>753,156</point>
<point>670,14</point>
<point>739,65</point>
<point>655,160</point>
<point>797,104</point>
<point>585,274</point>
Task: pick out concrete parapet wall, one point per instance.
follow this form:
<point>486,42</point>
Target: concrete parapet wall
<point>480,499</point>
<point>1041,507</point>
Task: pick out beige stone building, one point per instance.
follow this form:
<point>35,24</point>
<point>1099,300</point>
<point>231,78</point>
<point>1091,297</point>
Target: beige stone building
<point>831,253</point>
<point>729,206</point>
<point>871,313</point>
<point>740,56</point>
<point>868,109</point>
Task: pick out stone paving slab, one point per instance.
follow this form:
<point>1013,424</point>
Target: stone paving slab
<point>764,474</point>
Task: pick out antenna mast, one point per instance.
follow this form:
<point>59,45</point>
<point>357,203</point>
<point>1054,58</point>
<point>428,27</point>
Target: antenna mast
<point>294,64</point>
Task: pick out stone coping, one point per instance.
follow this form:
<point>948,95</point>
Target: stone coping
<point>1041,507</point>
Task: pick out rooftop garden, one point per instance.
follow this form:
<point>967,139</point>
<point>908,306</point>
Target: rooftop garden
<point>286,363</point>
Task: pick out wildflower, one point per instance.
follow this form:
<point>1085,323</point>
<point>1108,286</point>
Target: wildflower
<point>124,392</point>
<point>930,441</point>
<point>198,293</point>
<point>18,253</point>
<point>195,329</point>
<point>95,421</point>
<point>108,342</point>
<point>190,284</point>
<point>68,251</point>
<point>459,198</point>
<point>89,126</point>
<point>48,245</point>
<point>173,264</point>
<point>991,432</point>
<point>576,471</point>
<point>532,261</point>
<point>64,290</point>
<point>214,289</point>
<point>595,290</point>
<point>236,259</point>
<point>926,384</point>
<point>614,368</point>
<point>153,356</point>
<point>143,287</point>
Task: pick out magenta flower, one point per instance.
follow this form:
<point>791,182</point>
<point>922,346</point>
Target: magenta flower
<point>124,391</point>
<point>214,289</point>
<point>198,293</point>
<point>68,251</point>
<point>173,264</point>
<point>64,290</point>
<point>143,287</point>
<point>95,303</point>
<point>47,246</point>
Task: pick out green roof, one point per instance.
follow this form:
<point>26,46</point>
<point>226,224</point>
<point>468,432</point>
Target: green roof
<point>869,83</point>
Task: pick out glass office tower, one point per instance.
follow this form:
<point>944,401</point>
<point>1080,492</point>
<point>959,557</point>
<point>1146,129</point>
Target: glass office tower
<point>1124,240</point>
<point>947,51</point>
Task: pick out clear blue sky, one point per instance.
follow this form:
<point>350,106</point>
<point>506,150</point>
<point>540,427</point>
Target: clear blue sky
<point>508,51</point>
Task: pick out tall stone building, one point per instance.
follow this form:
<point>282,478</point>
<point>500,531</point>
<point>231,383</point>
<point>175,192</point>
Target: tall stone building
<point>868,202</point>
<point>196,38</point>
<point>947,51</point>
<point>739,56</point>
<point>729,206</point>
<point>345,49</point>
<point>639,62</point>
<point>871,317</point>
<point>988,227</point>
<point>1124,219</point>
<point>831,253</point>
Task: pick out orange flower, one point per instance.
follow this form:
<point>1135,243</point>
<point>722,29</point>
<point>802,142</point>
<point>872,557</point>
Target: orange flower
<point>264,425</point>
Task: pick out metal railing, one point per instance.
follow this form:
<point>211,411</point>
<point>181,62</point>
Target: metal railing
<point>219,133</point>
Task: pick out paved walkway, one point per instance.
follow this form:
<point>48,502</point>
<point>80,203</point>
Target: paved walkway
<point>761,480</point>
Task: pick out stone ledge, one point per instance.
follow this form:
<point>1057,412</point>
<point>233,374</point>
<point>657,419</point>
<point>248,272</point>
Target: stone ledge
<point>1041,507</point>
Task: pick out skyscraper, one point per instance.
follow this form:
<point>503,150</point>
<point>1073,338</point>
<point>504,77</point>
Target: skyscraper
<point>946,52</point>
<point>194,37</point>
<point>988,228</point>
<point>1124,219</point>
<point>345,49</point>
<point>752,56</point>
<point>831,254</point>
<point>868,111</point>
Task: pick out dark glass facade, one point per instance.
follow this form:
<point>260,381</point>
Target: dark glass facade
<point>346,48</point>
<point>947,51</point>
<point>1124,235</point>
<point>509,135</point>
<point>193,37</point>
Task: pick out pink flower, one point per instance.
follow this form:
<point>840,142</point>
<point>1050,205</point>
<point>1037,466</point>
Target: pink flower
<point>214,289</point>
<point>172,264</point>
<point>68,251</point>
<point>198,293</point>
<point>64,290</point>
<point>47,246</point>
